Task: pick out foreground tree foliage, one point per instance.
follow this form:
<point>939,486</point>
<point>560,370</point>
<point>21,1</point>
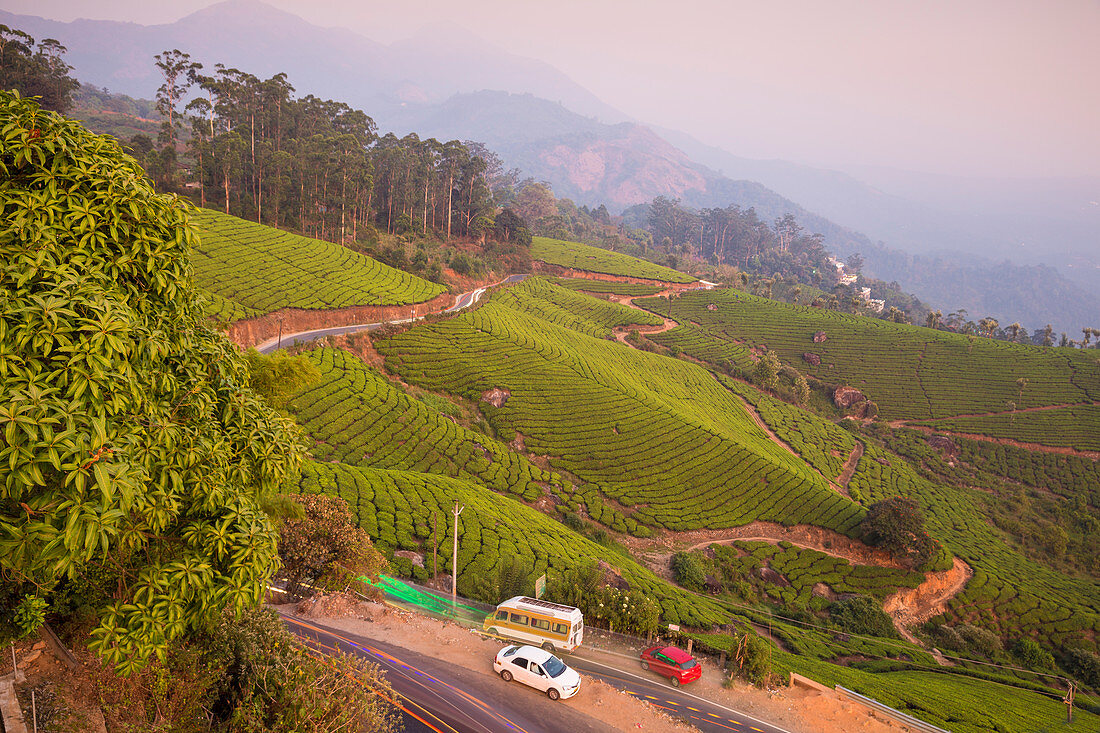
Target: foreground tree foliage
<point>129,436</point>
<point>248,674</point>
<point>325,548</point>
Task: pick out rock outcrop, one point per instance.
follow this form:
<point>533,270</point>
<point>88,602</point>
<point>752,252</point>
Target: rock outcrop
<point>845,397</point>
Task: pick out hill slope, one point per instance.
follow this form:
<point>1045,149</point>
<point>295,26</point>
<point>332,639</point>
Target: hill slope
<point>912,372</point>
<point>251,269</point>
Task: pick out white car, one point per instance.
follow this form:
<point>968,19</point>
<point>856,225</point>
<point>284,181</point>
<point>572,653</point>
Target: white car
<point>537,668</point>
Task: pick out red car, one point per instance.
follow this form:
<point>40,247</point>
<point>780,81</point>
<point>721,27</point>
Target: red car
<point>676,664</point>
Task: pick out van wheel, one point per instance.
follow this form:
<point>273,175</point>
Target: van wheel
<point>553,694</point>
<point>645,665</point>
<point>506,675</point>
<point>494,632</point>
<point>548,646</point>
<point>675,681</point>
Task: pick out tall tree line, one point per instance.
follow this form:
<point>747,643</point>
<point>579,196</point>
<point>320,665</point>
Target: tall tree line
<point>36,69</point>
<point>311,164</point>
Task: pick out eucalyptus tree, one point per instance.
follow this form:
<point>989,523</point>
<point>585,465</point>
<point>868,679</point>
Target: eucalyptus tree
<point>134,456</point>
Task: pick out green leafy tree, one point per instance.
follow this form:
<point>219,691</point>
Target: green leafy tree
<point>325,548</point>
<point>130,437</point>
<point>897,526</point>
<point>510,578</point>
<point>862,615</point>
<point>179,73</point>
<point>766,372</point>
<point>278,376</point>
<point>35,69</point>
<point>688,570</point>
<point>1032,655</point>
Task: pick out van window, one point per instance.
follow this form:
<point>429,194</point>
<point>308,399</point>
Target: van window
<point>502,615</point>
<point>561,628</point>
<point>518,619</point>
<point>540,623</point>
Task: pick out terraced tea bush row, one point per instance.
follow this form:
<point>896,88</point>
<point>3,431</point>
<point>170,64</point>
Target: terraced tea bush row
<point>987,465</point>
<point>356,416</point>
<point>227,310</point>
<point>1075,427</point>
<point>658,435</point>
<point>579,256</point>
<point>956,703</point>
<point>1009,594</point>
<point>396,508</point>
<point>264,269</point>
<point>910,371</point>
<point>604,286</point>
<point>573,310</point>
<point>804,568</point>
<point>698,344</point>
<point>822,444</point>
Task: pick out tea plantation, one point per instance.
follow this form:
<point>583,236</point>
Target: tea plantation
<point>396,509</point>
<point>659,436</point>
<point>579,256</point>
<point>253,269</point>
<point>910,371</point>
<point>1075,427</point>
<point>356,416</point>
<point>604,286</point>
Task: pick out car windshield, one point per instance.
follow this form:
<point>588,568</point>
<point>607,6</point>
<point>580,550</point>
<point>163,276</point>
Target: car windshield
<point>553,666</point>
<point>688,664</point>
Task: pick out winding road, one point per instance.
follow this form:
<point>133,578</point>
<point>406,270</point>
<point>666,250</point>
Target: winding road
<point>465,300</point>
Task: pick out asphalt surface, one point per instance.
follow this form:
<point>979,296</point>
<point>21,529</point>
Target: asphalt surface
<point>444,698</point>
<point>465,300</point>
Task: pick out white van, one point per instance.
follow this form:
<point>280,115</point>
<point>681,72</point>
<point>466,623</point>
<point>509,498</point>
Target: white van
<point>542,623</point>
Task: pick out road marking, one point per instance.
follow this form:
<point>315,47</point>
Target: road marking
<point>711,703</point>
<point>477,702</point>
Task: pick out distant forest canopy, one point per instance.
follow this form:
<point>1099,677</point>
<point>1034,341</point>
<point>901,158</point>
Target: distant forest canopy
<point>310,164</point>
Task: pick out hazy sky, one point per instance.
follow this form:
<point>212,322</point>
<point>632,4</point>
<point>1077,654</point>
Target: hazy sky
<point>997,87</point>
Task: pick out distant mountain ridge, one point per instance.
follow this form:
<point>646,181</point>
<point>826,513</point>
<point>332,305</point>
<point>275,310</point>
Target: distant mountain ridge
<point>330,62</point>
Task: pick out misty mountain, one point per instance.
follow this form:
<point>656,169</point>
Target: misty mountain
<point>1026,221</point>
<point>335,63</point>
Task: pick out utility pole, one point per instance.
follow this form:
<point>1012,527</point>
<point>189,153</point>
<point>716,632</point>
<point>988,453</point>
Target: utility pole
<point>280,344</point>
<point>1069,701</point>
<point>454,558</point>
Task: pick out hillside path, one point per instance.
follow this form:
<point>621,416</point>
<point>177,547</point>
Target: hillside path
<point>849,469</point>
<point>840,488</point>
<point>906,607</point>
<point>1038,447</point>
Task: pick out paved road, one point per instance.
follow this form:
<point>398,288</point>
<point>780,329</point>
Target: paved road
<point>465,300</point>
<point>440,697</point>
<point>680,702</point>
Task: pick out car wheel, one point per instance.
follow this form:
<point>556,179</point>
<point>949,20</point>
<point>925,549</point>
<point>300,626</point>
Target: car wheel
<point>548,646</point>
<point>675,681</point>
<point>553,694</point>
<point>506,675</point>
<point>645,665</point>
